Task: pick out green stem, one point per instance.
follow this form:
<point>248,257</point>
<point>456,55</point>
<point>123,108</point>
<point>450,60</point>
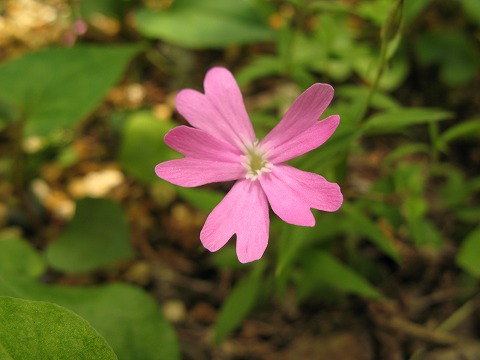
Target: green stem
<point>376,81</point>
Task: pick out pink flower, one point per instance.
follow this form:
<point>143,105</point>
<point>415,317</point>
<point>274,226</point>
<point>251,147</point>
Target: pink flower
<point>221,146</point>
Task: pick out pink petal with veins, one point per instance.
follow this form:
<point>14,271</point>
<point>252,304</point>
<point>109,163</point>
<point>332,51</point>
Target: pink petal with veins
<point>220,111</point>
<point>195,143</point>
<point>243,211</point>
<point>304,113</point>
<point>190,172</point>
<point>304,142</point>
<point>292,193</point>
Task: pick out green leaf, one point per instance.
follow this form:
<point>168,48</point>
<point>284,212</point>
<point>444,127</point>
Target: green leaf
<point>455,53</point>
<point>143,147</point>
<point>329,153</point>
<point>295,240</point>
<point>41,330</point>
<point>204,24</point>
<point>405,151</point>
<point>202,199</point>
<point>55,88</point>
<point>359,224</point>
<point>239,304</point>
<point>125,316</point>
<point>96,237</point>
<point>468,256</point>
<point>89,9</point>
<point>325,269</point>
<point>11,250</point>
<point>467,129</point>
<point>393,121</point>
<point>471,9</point>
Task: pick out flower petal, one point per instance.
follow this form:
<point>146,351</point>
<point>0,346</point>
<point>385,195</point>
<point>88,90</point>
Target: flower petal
<point>198,144</point>
<point>304,142</point>
<point>221,111</point>
<point>243,211</point>
<point>190,172</point>
<point>292,192</point>
<point>303,114</point>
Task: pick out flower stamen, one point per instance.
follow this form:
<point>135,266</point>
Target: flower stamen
<point>255,162</point>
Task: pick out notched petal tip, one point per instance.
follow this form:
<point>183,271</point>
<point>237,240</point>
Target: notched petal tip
<point>247,253</point>
<point>244,259</point>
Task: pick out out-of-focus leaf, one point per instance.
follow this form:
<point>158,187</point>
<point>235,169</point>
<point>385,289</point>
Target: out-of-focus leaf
<point>379,100</point>
<point>453,51</point>
<point>471,9</point>
<point>395,120</point>
<point>11,251</point>
<point>406,150</point>
<point>204,24</point>
<point>470,214</point>
<point>239,304</point>
<point>324,269</point>
<point>467,129</point>
<point>96,237</point>
<point>413,8</point>
<point>202,199</point>
<point>91,9</point>
<point>261,66</point>
<point>55,88</point>
<point>294,240</point>
<point>125,316</point>
<point>328,154</point>
<point>359,224</point>
<point>468,256</point>
<point>374,10</point>
<point>143,147</point>
<point>424,233</point>
<point>367,67</point>
<point>42,330</point>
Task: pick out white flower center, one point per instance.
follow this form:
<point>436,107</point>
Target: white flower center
<point>255,162</point>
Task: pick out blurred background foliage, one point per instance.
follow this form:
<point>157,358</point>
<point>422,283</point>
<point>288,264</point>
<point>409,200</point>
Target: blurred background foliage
<point>87,93</point>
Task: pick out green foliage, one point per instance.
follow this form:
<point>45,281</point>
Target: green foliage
<point>407,174</point>
<point>55,88</point>
<point>41,330</point>
<point>468,256</point>
<point>143,146</point>
<point>202,199</point>
<point>324,270</point>
<point>96,237</point>
<point>239,304</point>
<point>204,24</point>
<point>359,224</point>
<point>464,130</point>
<point>125,316</point>
<point>395,120</point>
<point>455,54</point>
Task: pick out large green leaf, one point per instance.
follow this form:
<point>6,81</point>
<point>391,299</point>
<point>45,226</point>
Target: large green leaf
<point>204,24</point>
<point>143,146</point>
<point>125,316</point>
<point>469,253</point>
<point>42,330</point>
<point>96,237</point>
<point>55,88</point>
